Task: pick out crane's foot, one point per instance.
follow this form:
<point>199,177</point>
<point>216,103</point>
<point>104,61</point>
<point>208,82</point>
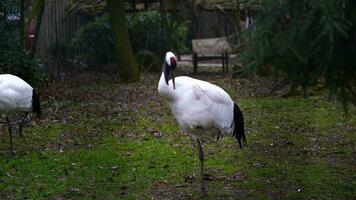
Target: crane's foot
<point>202,190</point>
<point>12,152</point>
<point>20,131</point>
<point>22,123</point>
<point>10,135</point>
<point>201,159</point>
<point>219,136</point>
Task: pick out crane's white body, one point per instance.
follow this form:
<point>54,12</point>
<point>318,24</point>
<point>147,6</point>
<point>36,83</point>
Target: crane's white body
<point>199,107</point>
<point>15,94</point>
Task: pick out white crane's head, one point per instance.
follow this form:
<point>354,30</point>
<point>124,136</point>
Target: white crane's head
<point>170,63</point>
<point>171,60</point>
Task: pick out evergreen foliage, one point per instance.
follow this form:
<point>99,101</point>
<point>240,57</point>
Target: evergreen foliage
<point>143,28</point>
<point>99,51</point>
<point>310,41</point>
<point>13,58</point>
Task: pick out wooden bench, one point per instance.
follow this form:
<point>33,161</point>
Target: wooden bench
<point>211,49</point>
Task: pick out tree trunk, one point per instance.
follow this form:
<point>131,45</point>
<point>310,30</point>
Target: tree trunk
<point>237,14</point>
<point>40,9</point>
<point>22,23</point>
<point>127,65</point>
<point>194,15</point>
<point>162,26</point>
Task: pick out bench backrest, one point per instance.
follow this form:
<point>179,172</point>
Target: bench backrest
<point>211,46</point>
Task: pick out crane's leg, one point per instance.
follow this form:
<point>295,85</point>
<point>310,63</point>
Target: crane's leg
<point>201,158</point>
<point>10,134</point>
<point>219,136</point>
<point>22,123</point>
<point>1,125</point>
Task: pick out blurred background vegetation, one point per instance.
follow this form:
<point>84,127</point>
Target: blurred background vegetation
<point>303,44</point>
<point>306,44</point>
<point>142,27</point>
<point>13,58</point>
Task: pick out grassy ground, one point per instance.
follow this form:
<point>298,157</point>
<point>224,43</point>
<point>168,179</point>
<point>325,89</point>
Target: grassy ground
<point>103,140</point>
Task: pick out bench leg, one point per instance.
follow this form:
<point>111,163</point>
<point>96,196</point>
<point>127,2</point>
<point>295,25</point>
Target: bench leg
<point>223,63</point>
<point>195,63</point>
<point>227,63</point>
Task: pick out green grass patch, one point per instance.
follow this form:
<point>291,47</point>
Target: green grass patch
<point>94,148</point>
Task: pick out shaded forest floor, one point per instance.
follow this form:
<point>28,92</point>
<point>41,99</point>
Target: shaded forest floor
<point>103,140</point>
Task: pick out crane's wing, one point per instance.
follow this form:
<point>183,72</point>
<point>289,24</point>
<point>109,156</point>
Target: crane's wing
<point>216,101</point>
<point>8,81</point>
<point>14,92</point>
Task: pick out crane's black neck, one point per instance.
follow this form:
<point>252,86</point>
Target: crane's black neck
<point>165,71</point>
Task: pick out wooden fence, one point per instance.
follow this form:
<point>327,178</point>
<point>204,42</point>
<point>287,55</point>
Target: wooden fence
<point>57,27</point>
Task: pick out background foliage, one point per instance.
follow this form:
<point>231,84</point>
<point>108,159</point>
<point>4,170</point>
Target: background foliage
<point>309,42</point>
<point>93,46</point>
<point>13,58</point>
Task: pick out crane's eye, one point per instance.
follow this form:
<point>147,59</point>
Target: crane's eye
<point>173,62</point>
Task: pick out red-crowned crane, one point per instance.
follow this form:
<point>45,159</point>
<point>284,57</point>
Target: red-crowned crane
<point>17,96</point>
<point>200,108</point>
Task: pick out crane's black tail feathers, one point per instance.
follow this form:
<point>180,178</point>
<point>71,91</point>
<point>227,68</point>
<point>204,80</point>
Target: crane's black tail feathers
<point>36,103</point>
<point>239,127</point>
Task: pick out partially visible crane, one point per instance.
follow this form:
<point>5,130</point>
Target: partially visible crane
<point>17,96</point>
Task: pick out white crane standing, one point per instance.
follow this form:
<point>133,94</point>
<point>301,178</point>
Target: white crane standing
<point>200,108</point>
<point>17,96</point>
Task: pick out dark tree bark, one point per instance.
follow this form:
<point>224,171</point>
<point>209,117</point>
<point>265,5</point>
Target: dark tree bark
<point>127,65</point>
<point>22,23</point>
<point>238,21</point>
<point>39,9</point>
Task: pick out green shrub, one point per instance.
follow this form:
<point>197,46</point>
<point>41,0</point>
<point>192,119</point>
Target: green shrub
<point>93,47</point>
<point>308,41</point>
<point>148,61</point>
<point>17,62</point>
<point>144,29</point>
<point>13,59</point>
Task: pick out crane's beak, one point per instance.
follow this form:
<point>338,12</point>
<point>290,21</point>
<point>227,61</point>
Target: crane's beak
<point>173,81</point>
